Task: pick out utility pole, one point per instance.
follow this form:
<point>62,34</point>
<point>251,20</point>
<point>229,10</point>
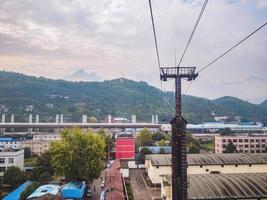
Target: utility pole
<point>178,123</point>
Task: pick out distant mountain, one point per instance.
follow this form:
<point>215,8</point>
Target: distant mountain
<point>242,108</point>
<point>82,75</point>
<point>264,102</point>
<point>119,97</point>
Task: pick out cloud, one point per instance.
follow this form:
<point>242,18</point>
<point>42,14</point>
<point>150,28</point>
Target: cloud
<point>114,37</point>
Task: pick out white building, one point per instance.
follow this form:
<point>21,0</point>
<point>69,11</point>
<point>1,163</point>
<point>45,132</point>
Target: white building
<point>10,158</point>
<point>9,143</point>
<point>255,143</point>
<point>160,164</point>
<point>40,142</point>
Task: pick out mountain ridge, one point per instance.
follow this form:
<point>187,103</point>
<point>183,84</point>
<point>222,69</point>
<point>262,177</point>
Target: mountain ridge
<point>118,97</point>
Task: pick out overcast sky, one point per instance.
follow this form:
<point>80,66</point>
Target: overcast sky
<point>113,38</point>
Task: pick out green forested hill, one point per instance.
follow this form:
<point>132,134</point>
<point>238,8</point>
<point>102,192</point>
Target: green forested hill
<point>119,97</point>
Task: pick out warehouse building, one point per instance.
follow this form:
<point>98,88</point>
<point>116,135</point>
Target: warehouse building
<point>221,186</point>
<point>160,164</point>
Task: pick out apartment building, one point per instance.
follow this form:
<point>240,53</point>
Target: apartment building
<point>11,157</point>
<point>40,142</point>
<point>243,143</point>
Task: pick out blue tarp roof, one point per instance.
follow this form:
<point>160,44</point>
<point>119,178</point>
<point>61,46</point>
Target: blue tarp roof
<point>45,189</point>
<point>15,195</point>
<point>73,190</point>
<point>7,139</point>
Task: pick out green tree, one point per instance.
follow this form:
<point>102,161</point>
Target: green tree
<point>44,162</point>
<point>78,156</point>
<point>192,144</point>
<point>161,143</point>
<point>157,136</point>
<point>144,138</point>
<point>230,148</point>
<point>29,190</point>
<point>92,119</point>
<point>14,176</point>
<point>142,154</point>
<point>226,131</point>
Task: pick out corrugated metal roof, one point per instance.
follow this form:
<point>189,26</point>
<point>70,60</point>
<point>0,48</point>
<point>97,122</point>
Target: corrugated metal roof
<point>212,159</point>
<point>222,186</point>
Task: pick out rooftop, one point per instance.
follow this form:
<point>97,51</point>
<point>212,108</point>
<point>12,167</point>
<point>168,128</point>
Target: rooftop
<point>212,159</point>
<point>226,186</point>
<point>113,182</point>
<point>45,189</point>
<point>16,193</point>
<point>73,190</point>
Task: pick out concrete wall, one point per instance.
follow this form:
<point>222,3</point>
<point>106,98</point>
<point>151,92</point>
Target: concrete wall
<point>154,172</point>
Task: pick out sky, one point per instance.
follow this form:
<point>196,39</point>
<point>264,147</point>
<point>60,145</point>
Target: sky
<point>114,38</point>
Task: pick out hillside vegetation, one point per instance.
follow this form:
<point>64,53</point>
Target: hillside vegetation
<point>119,97</point>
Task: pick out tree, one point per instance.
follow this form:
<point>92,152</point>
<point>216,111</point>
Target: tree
<point>29,190</point>
<point>226,131</point>
<point>157,136</point>
<point>92,119</point>
<point>44,162</point>
<point>78,156</point>
<point>14,176</point>
<point>230,148</point>
<point>109,141</point>
<point>192,144</point>
<point>144,138</point>
<point>142,154</point>
<point>161,143</point>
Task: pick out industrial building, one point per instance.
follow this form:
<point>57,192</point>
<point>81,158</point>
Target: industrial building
<point>221,186</point>
<point>255,143</point>
<point>160,164</point>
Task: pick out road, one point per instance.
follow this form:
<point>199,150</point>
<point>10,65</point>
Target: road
<point>96,185</point>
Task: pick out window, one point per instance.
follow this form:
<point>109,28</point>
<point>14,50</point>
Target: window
<point>157,166</point>
<point>257,151</point>
<point>2,160</point>
<point>236,165</point>
<point>246,140</point>
<point>207,170</point>
<point>201,166</point>
<point>235,140</point>
<point>246,146</point>
<point>2,169</point>
<point>257,140</point>
<point>250,165</point>
<point>229,140</point>
<point>222,165</point>
<point>252,151</point>
<point>240,146</point>
<point>240,140</point>
<point>252,140</point>
<point>10,160</point>
<point>263,140</point>
<point>224,140</point>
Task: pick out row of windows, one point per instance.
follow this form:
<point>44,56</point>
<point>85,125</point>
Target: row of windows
<point>201,166</point>
<point>3,169</point>
<point>9,142</point>
<point>247,146</point>
<point>10,160</point>
<point>245,140</point>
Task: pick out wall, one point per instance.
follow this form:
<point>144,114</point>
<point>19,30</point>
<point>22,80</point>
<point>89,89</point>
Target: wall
<point>18,157</point>
<point>154,172</point>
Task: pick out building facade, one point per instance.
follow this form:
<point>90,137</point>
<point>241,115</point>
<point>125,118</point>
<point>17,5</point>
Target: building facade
<point>160,164</point>
<point>9,143</point>
<point>125,147</point>
<point>10,158</point>
<point>243,143</point>
<point>40,143</point>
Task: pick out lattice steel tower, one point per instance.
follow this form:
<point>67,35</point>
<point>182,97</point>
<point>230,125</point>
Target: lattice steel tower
<point>179,147</point>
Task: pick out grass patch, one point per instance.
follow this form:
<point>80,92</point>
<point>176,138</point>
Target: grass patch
<point>30,162</point>
<point>209,146</point>
<point>129,191</point>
